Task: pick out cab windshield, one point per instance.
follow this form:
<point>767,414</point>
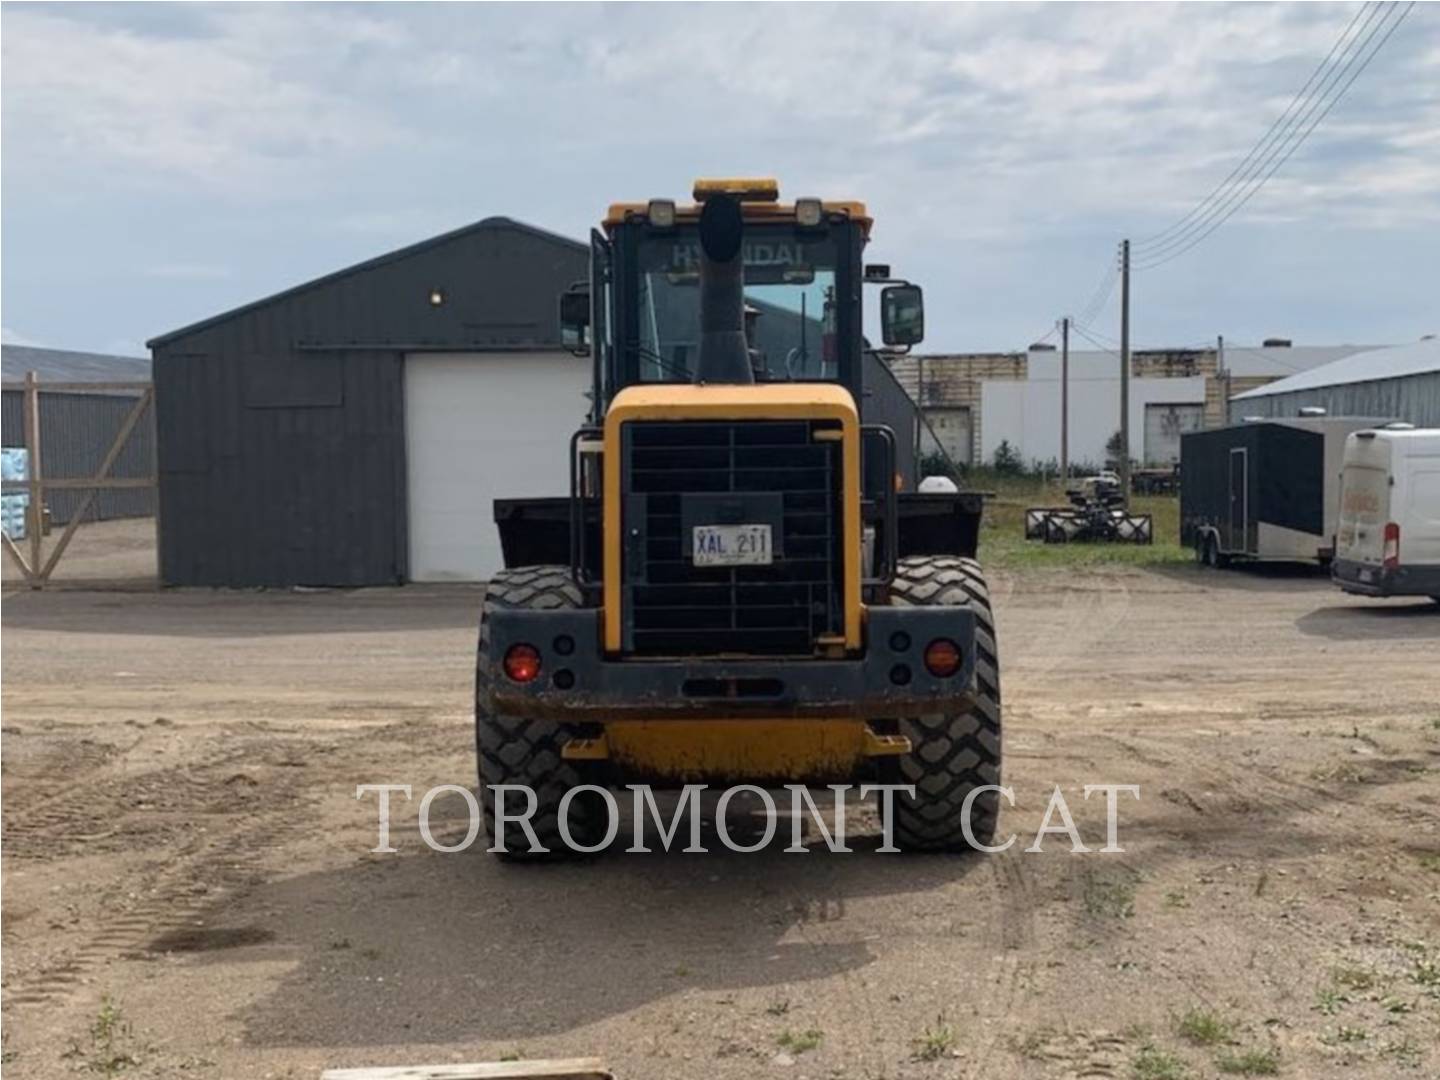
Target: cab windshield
<point>789,305</point>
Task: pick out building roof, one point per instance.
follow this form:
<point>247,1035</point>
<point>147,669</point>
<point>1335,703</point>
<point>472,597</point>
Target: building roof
<point>1240,360</point>
<point>1393,362</point>
<point>370,264</point>
<point>63,365</point>
<point>1285,360</point>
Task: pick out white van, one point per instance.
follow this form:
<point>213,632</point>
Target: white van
<point>1388,538</point>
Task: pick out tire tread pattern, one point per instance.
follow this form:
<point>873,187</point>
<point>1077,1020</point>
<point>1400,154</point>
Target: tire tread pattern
<point>951,753</point>
<point>519,750</point>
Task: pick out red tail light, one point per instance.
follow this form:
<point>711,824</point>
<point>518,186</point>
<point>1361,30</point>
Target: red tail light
<point>942,658</point>
<point>1391,556</point>
<point>522,663</point>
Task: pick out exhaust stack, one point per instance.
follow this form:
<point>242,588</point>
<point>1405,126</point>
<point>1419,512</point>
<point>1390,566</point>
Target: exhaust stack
<point>724,352</point>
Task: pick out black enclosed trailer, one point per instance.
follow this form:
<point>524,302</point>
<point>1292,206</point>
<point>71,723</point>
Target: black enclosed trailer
<point>1264,489</point>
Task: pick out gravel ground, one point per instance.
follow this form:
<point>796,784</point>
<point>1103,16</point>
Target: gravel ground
<point>188,889</point>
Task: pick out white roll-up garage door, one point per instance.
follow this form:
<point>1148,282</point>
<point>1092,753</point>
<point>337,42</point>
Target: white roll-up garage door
<point>482,426</point>
<point>1164,424</point>
<point>952,427</point>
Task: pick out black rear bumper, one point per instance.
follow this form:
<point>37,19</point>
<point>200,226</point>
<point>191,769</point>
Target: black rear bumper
<point>577,682</point>
<point>1367,579</point>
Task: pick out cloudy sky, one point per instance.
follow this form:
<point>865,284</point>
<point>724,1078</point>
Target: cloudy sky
<point>162,163</point>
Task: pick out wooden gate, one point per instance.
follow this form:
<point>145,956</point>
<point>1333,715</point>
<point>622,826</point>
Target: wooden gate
<point>39,565</point>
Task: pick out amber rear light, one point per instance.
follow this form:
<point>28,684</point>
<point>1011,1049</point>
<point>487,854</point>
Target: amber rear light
<point>942,658</point>
<point>522,663</point>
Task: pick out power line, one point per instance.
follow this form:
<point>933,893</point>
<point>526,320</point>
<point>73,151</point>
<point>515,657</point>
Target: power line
<point>1046,336</point>
<point>1099,345</point>
<point>1285,135</point>
<point>1280,152</point>
<point>1282,132</point>
<point>1101,296</point>
<point>1202,228</point>
<point>1264,141</point>
<point>1115,342</point>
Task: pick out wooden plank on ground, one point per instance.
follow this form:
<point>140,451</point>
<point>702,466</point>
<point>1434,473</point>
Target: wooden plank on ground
<point>551,1069</point>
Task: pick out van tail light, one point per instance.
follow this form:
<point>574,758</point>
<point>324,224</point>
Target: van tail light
<point>1390,559</point>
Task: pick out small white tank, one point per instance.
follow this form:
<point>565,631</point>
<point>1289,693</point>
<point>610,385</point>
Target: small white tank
<point>938,485</point>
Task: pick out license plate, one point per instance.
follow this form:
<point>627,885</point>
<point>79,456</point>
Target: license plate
<point>732,545</point>
<point>1367,575</point>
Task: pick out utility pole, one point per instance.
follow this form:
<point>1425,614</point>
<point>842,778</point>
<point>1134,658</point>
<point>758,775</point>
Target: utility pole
<point>1224,378</point>
<point>1065,401</point>
<point>1125,370</point>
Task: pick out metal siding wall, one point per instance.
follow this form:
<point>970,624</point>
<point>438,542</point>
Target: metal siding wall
<point>310,498</point>
<point>76,431</point>
<point>1414,398</point>
<point>315,495</point>
<point>885,401</point>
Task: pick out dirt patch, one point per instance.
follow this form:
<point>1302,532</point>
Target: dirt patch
<point>183,841</point>
<point>210,939</point>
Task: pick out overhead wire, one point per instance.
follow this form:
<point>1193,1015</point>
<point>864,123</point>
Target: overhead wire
<point>1240,195</point>
<point>1283,138</point>
<point>1264,141</point>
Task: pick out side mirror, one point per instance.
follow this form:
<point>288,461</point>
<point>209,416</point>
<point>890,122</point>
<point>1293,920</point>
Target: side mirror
<point>575,320</point>
<point>902,315</point>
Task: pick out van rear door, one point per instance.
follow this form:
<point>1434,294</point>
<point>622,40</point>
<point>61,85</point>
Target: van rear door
<point>1420,526</point>
<point>1364,499</point>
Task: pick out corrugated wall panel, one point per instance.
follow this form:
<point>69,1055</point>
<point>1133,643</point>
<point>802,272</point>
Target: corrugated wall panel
<point>76,431</point>
<point>1414,398</point>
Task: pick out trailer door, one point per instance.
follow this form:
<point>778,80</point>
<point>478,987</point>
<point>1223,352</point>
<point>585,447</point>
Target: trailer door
<point>1239,498</point>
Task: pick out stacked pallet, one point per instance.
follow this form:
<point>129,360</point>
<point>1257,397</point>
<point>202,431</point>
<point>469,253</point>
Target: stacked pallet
<point>14,465</point>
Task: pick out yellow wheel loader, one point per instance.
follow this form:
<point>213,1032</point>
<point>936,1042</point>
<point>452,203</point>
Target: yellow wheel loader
<point>743,585</point>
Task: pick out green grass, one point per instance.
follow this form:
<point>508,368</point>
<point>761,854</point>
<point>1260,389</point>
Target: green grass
<point>1250,1063</point>
<point>1002,529</point>
<point>935,1041</point>
<point>1112,898</point>
<point>1353,978</point>
<point>1204,1028</point>
<point>1426,973</point>
<point>799,1042</point>
<point>1152,1063</point>
<point>109,1041</point>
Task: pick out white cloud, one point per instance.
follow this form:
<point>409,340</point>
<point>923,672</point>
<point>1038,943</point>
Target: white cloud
<point>1000,146</point>
<point>10,337</point>
<point>223,110</point>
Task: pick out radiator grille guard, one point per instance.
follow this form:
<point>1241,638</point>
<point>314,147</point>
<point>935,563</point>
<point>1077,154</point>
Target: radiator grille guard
<point>674,608</point>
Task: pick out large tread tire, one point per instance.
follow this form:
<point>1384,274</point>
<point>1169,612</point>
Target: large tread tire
<point>951,754</point>
<point>518,750</point>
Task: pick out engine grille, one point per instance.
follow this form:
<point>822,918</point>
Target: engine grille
<point>673,608</point>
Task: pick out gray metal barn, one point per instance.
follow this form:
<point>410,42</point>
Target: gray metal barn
<point>283,424</point>
<point>1402,381</point>
<point>77,429</point>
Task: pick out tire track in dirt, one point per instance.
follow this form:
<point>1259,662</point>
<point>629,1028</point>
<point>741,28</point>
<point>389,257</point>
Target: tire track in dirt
<point>1083,617</point>
<point>1248,792</point>
<point>229,856</point>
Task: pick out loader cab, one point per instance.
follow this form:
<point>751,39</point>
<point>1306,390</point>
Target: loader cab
<point>639,317</point>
